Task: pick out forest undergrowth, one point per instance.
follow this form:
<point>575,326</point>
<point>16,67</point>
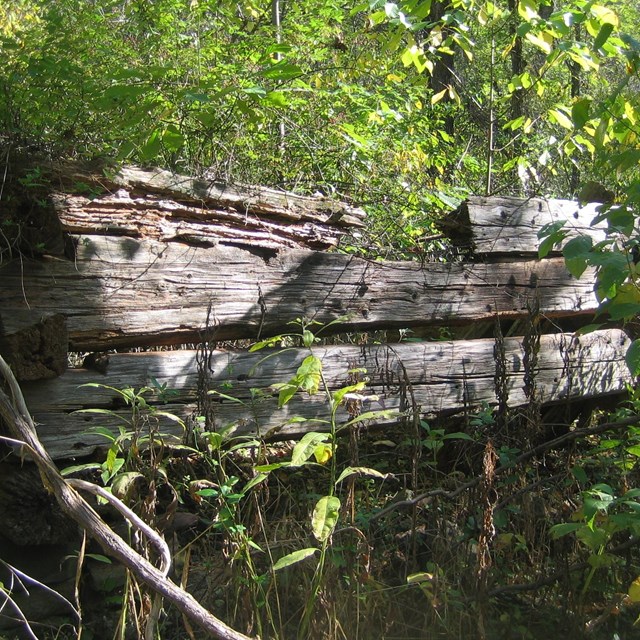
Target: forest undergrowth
<point>498,523</point>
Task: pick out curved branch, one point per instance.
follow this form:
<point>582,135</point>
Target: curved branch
<point>14,412</point>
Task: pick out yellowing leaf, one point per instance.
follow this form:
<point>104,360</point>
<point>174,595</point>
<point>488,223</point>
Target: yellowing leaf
<point>322,453</point>
<point>528,9</point>
<point>542,40</point>
<point>325,516</point>
<point>634,590</point>
<point>561,118</point>
<point>438,96</point>
<point>605,15</point>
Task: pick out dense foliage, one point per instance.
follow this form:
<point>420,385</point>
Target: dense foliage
<point>405,107</point>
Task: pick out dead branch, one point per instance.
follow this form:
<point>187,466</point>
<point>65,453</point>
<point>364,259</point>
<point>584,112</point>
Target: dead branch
<point>14,412</point>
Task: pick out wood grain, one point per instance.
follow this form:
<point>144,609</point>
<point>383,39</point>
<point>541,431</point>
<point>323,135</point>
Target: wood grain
<point>445,377</point>
<point>122,292</point>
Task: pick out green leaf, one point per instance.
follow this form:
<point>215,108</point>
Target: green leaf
<point>620,219</point>
<point>382,414</point>
<point>553,234</point>
<point>287,391</point>
<point>580,112</point>
<point>98,557</point>
<point>304,449</point>
<point>124,484</point>
<point>293,558</point>
<point>340,393</point>
<point>90,466</point>
<point>576,252</point>
<point>563,529</point>
<point>276,99</point>
<point>256,480</point>
<point>559,116</point>
<point>632,358</point>
<point>213,392</point>
<point>362,471</point>
<point>309,374</point>
<point>269,342</point>
<point>603,35</point>
<point>282,70</point>
<point>325,517</point>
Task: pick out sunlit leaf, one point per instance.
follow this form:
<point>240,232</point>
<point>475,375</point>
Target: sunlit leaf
<point>293,558</point>
<point>362,471</point>
<point>325,517</point>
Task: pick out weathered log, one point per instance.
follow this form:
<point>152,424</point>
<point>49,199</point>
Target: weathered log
<point>34,346</point>
<point>506,225</point>
<point>445,377</point>
<point>155,203</point>
<point>122,292</point>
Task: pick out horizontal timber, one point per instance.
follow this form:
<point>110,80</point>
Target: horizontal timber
<point>125,292</point>
<point>507,225</point>
<point>445,377</point>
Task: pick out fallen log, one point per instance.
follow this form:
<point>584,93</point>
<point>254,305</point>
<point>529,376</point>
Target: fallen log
<point>445,377</point>
<point>500,225</point>
<point>123,292</point>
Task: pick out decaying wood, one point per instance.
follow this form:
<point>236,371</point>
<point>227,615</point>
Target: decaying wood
<point>445,377</point>
<point>122,292</point>
<point>507,225</point>
<point>35,346</point>
<point>155,203</point>
<point>14,412</point>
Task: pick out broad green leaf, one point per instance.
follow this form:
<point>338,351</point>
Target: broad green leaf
<point>605,15</point>
<point>172,139</point>
<point>325,517</point>
<point>580,111</point>
<point>559,116</point>
<point>122,486</point>
<point>576,252</point>
<point>293,558</point>
<point>553,234</point>
<point>563,529</point>
<point>620,220</point>
<point>276,98</point>
<point>543,40</point>
<point>633,358</point>
<point>528,9</point>
<point>438,96</point>
<point>382,414</point>
<point>362,471</point>
<point>622,310</point>
<point>287,391</point>
<point>282,70</point>
<point>309,374</point>
<point>603,35</point>
<point>304,449</point>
